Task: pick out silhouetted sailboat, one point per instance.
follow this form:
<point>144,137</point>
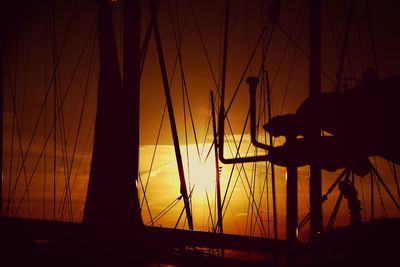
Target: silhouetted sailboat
<point>120,235</point>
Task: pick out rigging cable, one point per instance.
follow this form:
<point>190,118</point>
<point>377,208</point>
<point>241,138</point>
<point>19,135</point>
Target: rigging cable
<point>214,226</point>
<point>183,81</point>
<point>337,205</point>
<point>385,187</point>
<point>24,158</point>
<point>250,195</point>
<point>13,89</point>
<point>304,52</point>
<point>19,134</point>
<point>363,197</point>
<point>339,71</point>
<point>53,124</point>
<point>82,111</point>
<point>371,33</point>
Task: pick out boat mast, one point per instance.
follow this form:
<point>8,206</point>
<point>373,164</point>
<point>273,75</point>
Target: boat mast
<point>112,203</point>
<point>170,107</point>
<point>316,222</point>
<point>131,85</point>
<point>1,110</point>
<point>217,176</point>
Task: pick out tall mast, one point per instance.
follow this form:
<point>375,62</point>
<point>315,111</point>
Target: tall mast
<point>1,111</point>
<point>170,107</point>
<point>315,89</point>
<point>131,87</point>
<point>272,166</point>
<point>112,203</point>
<point>217,176</point>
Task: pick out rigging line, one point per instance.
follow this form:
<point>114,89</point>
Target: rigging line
<point>53,124</point>
<point>265,187</point>
<point>186,93</point>
<point>84,103</point>
<point>214,226</point>
<point>11,161</point>
<point>61,121</point>
<point>393,167</point>
<point>206,131</point>
<point>251,194</point>
<point>179,219</point>
<point>237,155</point>
<point>45,109</point>
<point>267,88</point>
<point>324,197</point>
<point>371,34</point>
<point>336,37</point>
<point>253,176</point>
<point>166,209</point>
<point>196,23</point>
<point>288,80</point>
<point>178,43</point>
<point>252,199</point>
<point>363,198</point>
<point>209,149</point>
<point>90,132</point>
<point>145,200</point>
<point>262,114</point>
<point>63,139</point>
<point>146,40</point>
<point>334,213</point>
<point>247,67</point>
<point>207,120</point>
<point>299,21</point>
<point>323,72</point>
<point>372,194</point>
<point>230,131</point>
<point>20,152</point>
<point>234,165</point>
<point>383,209</point>
<point>161,123</point>
<point>154,153</point>
<point>180,216</point>
<point>47,94</point>
<point>55,110</point>
<point>265,48</point>
<point>349,21</point>
<point>19,130</point>
<point>14,86</point>
<point>337,205</point>
<point>28,44</point>
<point>385,186</point>
<point>359,39</point>
<point>178,155</point>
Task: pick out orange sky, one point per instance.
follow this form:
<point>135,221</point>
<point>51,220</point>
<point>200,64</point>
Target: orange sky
<point>29,70</point>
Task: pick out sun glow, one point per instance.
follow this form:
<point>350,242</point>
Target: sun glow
<point>200,172</point>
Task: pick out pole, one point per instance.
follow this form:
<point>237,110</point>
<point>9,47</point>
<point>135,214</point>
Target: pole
<point>217,176</point>
<point>272,165</point>
<point>171,115</point>
<point>316,223</point>
<point>131,88</point>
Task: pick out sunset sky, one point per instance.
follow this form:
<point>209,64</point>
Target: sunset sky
<point>40,32</point>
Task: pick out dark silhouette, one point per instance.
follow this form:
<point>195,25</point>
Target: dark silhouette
<point>351,194</point>
<point>361,122</point>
